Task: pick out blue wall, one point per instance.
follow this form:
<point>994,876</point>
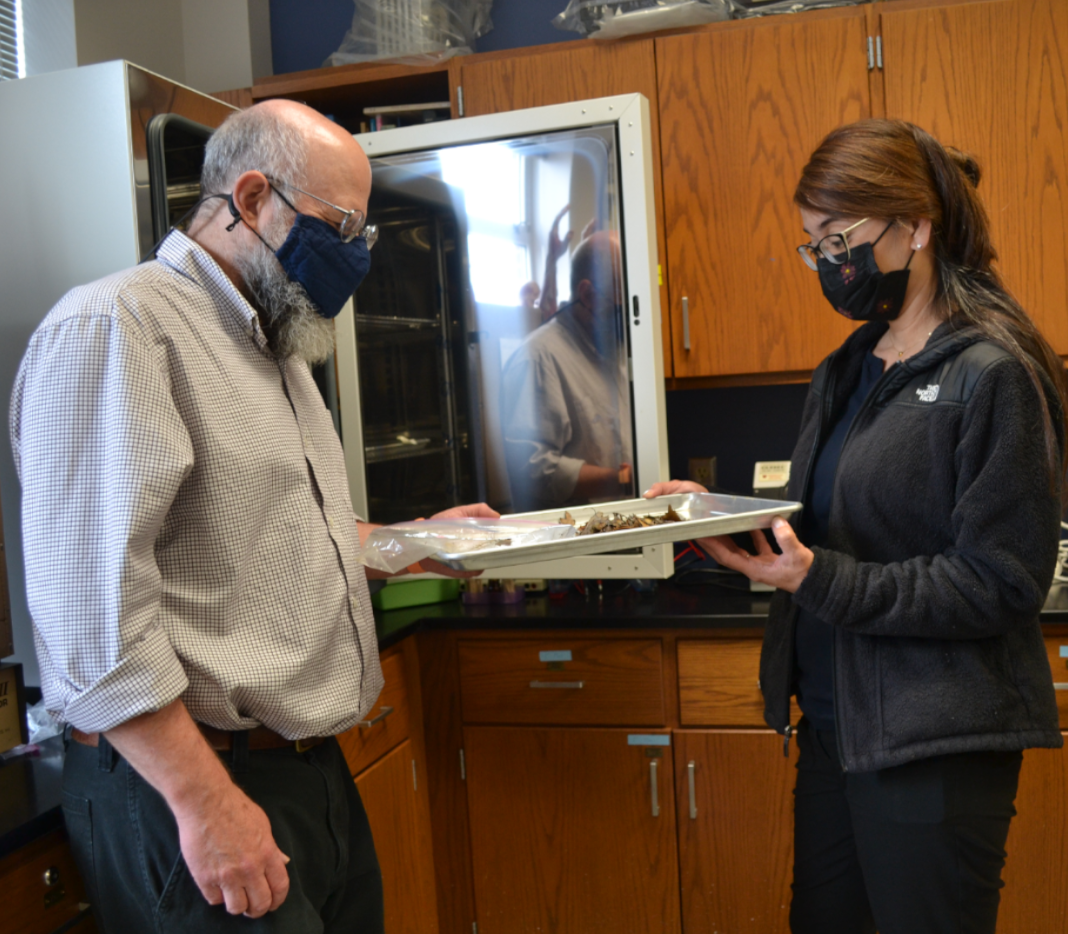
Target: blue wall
<point>305,32</point>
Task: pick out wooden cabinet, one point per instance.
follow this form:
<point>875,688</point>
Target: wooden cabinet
<point>571,830</point>
<point>735,827</point>
<point>42,890</point>
<point>991,77</point>
<point>1059,667</point>
<point>573,71</point>
<point>736,110</point>
<point>1035,899</point>
<point>385,754</point>
<point>719,683</point>
<point>388,722</point>
<point>567,681</point>
<point>400,821</point>
<point>741,108</point>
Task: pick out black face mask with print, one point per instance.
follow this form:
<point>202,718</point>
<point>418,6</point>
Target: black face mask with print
<point>859,290</point>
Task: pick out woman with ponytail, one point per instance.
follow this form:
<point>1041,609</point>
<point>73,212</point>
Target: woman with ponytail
<point>930,462</point>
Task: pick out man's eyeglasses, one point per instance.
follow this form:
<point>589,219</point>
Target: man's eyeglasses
<point>352,225</point>
<point>834,248</point>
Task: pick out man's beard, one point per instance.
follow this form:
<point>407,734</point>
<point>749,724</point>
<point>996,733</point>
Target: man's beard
<point>290,320</point>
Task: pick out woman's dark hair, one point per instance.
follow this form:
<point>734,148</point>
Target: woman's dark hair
<point>894,170</point>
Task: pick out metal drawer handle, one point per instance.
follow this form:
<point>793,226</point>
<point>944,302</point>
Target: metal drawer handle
<point>691,769</point>
<point>365,724</point>
<point>1060,685</point>
<point>685,323</point>
<point>653,764</point>
<point>574,685</point>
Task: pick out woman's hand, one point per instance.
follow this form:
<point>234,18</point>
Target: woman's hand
<point>673,486</point>
<point>785,571</point>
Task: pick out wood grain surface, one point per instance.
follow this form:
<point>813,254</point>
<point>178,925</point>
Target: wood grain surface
<point>991,78</point>
<point>563,836</point>
<point>574,73</point>
<point>719,683</point>
<point>1059,668</point>
<point>1035,898</point>
<point>363,745</point>
<point>736,855</point>
<point>30,906</point>
<point>741,110</point>
<point>439,678</point>
<point>622,682</point>
<point>400,823</point>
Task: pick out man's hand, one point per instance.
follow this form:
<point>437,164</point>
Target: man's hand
<point>785,571</point>
<point>470,511</point>
<point>225,837</point>
<point>231,854</point>
<point>670,487</point>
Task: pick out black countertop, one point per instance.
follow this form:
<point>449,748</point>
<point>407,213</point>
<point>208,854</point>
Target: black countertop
<point>30,785</point>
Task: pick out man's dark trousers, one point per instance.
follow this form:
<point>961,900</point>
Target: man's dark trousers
<point>125,842</point>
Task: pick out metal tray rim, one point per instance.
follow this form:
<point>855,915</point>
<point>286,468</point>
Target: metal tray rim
<point>725,524</point>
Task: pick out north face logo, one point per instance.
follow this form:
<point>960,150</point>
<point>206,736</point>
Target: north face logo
<point>929,394</point>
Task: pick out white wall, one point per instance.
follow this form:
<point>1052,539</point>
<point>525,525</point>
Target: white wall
<point>49,35</point>
<point>227,43</point>
<point>210,45</point>
<point>146,33</point>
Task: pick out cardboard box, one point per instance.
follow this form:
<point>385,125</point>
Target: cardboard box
<point>13,729</point>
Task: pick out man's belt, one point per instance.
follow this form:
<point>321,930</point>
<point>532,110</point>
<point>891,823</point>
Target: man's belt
<point>223,740</point>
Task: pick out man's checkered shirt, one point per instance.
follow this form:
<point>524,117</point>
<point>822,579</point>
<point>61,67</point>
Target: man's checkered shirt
<point>186,518</point>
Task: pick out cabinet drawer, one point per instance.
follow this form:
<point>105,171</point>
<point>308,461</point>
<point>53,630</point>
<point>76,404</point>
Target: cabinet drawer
<point>1059,666</point>
<point>363,744</point>
<point>563,681</point>
<point>42,888</point>
<point>719,683</point>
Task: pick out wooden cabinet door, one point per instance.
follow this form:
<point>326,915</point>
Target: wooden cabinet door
<point>991,78</point>
<point>741,109</point>
<point>565,836</point>
<point>733,790</point>
<point>579,71</point>
<point>42,889</point>
<point>398,812</point>
<point>1035,898</point>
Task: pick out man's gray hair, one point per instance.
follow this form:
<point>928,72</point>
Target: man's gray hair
<point>258,140</point>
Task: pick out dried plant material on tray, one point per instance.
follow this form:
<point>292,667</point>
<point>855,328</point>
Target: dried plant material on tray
<point>617,522</point>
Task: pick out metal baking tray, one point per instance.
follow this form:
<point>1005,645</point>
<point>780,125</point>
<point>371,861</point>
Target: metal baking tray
<point>703,514</point>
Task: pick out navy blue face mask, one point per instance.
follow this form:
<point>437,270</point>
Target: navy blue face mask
<point>314,256</point>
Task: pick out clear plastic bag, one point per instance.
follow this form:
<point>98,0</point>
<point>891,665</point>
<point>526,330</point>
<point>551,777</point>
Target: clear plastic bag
<point>599,19</point>
<point>392,548</point>
<point>41,723</point>
<point>416,32</point>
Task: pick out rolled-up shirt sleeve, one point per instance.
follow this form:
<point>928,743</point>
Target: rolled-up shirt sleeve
<point>101,452</point>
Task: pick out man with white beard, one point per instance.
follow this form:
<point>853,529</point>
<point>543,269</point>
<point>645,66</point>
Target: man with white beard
<point>200,618</point>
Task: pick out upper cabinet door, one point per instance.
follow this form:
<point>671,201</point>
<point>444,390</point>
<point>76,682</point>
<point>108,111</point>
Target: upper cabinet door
<point>578,71</point>
<point>742,106</point>
<point>990,78</point>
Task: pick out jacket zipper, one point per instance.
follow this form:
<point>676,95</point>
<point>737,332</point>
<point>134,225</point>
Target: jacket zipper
<point>824,412</point>
<point>867,403</point>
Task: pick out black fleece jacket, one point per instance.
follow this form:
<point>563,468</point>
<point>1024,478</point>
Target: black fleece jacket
<point>941,548</point>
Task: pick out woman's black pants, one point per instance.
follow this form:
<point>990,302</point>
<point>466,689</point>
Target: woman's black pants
<point>914,849</point>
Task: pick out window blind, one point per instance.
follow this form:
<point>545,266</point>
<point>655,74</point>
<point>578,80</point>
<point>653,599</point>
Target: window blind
<point>9,45</point>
